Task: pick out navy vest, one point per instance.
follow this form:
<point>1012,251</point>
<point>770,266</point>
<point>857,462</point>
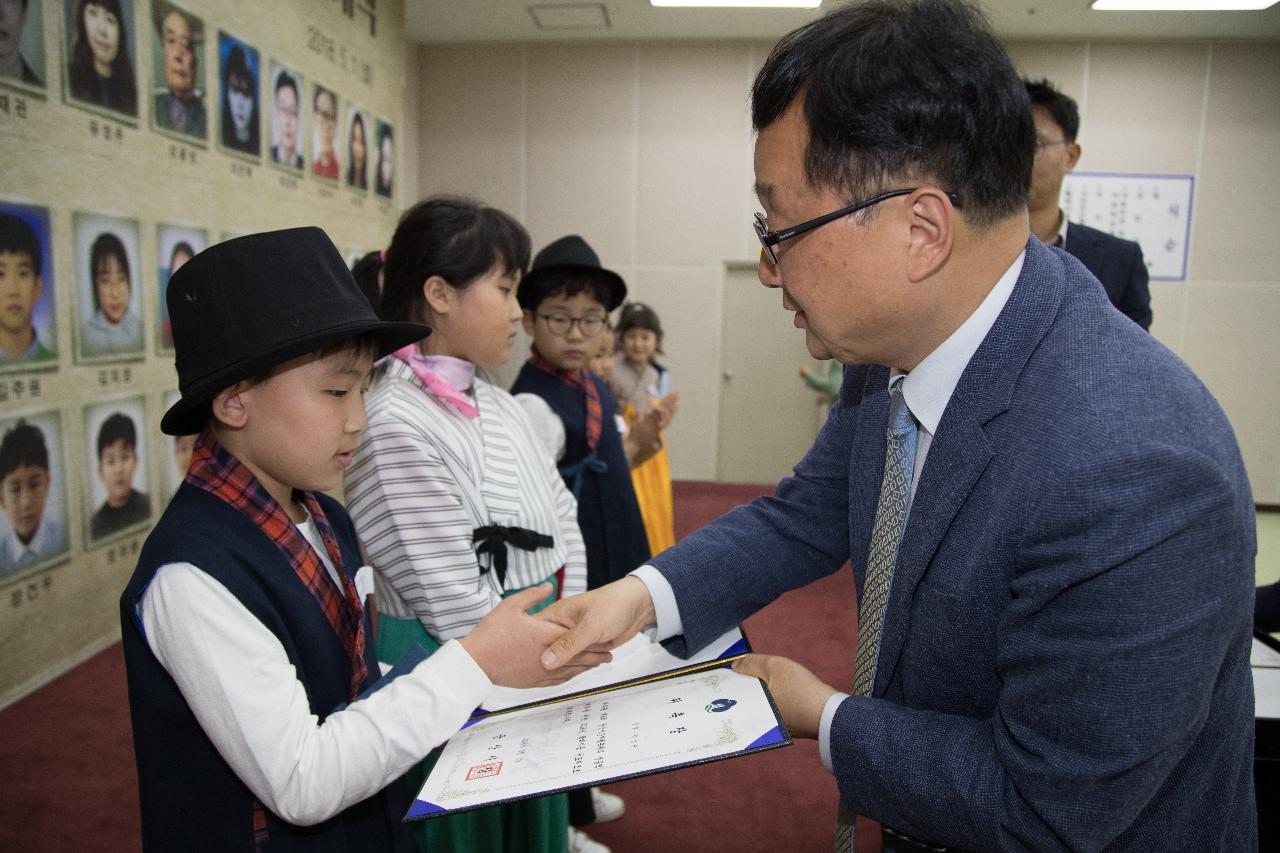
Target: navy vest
<point>191,800</point>
<point>608,513</point>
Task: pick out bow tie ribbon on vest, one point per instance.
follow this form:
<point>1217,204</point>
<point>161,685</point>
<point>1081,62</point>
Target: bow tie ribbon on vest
<point>493,540</point>
<point>595,415</point>
<point>220,474</point>
<point>886,534</point>
<point>577,379</point>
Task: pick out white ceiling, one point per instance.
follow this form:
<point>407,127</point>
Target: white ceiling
<point>635,20</point>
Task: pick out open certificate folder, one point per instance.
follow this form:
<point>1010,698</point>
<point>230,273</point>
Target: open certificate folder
<point>645,712</point>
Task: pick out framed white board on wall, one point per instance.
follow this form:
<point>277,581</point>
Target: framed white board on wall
<point>1154,210</point>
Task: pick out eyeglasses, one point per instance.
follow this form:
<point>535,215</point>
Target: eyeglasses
<point>560,324</point>
<point>1045,143</point>
<point>769,239</point>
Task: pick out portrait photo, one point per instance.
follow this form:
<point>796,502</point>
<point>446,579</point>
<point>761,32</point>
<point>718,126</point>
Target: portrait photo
<point>33,493</point>
<point>28,339</point>
<point>324,133</point>
<point>99,44</point>
<point>175,245</point>
<point>384,174</point>
<point>358,154</point>
<point>178,103</point>
<point>108,288</point>
<point>115,482</point>
<point>22,45</point>
<point>238,93</point>
<point>177,449</point>
<point>287,128</point>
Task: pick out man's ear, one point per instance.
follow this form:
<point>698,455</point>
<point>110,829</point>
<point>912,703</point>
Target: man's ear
<point>230,407</point>
<point>438,294</point>
<point>1073,155</point>
<point>527,320</point>
<point>39,291</point>
<point>933,223</point>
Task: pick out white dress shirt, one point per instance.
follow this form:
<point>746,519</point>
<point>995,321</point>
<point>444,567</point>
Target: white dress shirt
<point>927,390</point>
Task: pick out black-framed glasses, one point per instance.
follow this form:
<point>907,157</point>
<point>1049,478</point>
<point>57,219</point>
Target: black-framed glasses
<point>769,239</point>
<point>1045,143</point>
<point>560,324</point>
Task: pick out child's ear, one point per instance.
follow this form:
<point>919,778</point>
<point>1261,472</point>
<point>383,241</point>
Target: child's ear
<point>438,294</point>
<point>229,406</point>
<point>527,320</point>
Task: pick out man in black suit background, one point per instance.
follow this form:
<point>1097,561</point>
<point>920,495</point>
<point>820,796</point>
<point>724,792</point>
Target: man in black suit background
<point>1115,262</point>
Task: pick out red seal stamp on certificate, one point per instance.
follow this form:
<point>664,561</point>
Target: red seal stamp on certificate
<point>484,771</point>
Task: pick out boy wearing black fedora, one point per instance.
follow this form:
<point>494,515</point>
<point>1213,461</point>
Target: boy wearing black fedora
<point>566,297</point>
<point>259,718</point>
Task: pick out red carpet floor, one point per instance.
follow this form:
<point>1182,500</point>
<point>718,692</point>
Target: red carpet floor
<point>67,776</point>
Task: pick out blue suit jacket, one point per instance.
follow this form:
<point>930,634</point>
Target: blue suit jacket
<point>1065,657</point>
<point>1118,265</point>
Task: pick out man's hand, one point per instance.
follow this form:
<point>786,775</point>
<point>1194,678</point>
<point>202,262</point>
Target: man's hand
<point>508,644</point>
<point>799,694</point>
<point>603,618</point>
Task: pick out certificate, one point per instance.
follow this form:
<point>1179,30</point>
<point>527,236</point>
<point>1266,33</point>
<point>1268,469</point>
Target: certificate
<point>648,727</point>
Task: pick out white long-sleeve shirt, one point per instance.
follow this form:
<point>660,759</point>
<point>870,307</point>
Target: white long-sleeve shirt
<point>426,476</point>
<point>236,677</point>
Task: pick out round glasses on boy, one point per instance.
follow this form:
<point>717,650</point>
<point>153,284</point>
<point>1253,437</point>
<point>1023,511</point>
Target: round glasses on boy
<point>560,324</point>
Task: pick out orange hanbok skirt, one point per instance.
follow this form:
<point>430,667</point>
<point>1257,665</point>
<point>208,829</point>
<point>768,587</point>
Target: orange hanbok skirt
<point>652,482</point>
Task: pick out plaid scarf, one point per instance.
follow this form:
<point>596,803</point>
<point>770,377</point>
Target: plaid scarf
<point>220,474</point>
<point>576,379</point>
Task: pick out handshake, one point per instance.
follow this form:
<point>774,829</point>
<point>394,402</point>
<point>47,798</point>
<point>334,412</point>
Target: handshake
<point>519,649</point>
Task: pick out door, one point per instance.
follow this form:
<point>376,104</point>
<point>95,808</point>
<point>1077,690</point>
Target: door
<point>768,416</point>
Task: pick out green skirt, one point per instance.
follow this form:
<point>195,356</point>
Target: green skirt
<point>538,825</point>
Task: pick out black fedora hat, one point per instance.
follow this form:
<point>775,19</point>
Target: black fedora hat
<point>241,307</point>
<point>568,255</point>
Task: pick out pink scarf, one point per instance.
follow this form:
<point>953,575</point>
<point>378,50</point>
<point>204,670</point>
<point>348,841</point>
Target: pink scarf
<point>442,376</point>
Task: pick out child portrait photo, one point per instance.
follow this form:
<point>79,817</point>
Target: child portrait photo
<point>175,245</point>
<point>108,291</point>
<point>27,316</point>
<point>33,494</point>
<point>99,43</point>
<point>115,484</point>
<point>177,450</point>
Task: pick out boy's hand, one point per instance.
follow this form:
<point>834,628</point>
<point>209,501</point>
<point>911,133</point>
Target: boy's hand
<point>603,618</point>
<point>801,696</point>
<point>508,643</point>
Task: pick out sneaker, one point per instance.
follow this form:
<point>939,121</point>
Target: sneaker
<point>580,842</point>
<point>607,806</point>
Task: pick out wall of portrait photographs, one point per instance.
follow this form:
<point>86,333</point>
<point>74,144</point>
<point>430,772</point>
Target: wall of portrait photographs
<point>134,134</point>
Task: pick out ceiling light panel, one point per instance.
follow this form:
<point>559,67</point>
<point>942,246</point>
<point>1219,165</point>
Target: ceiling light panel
<point>570,16</point>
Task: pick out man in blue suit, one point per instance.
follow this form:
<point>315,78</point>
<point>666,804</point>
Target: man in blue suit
<point>1117,263</point>
<point>1050,525</point>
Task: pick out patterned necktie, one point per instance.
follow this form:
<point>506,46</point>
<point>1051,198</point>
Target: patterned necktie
<point>886,533</point>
